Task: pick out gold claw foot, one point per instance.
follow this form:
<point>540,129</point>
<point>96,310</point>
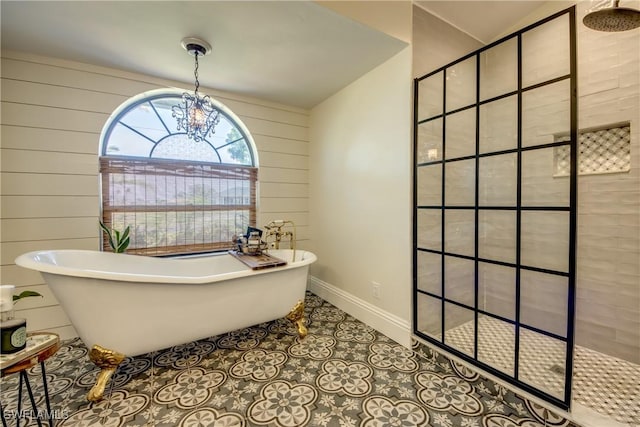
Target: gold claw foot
<point>296,316</point>
<point>108,361</point>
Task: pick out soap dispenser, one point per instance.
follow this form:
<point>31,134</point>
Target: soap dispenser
<point>13,332</point>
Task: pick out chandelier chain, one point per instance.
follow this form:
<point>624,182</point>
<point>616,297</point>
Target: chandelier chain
<point>195,73</point>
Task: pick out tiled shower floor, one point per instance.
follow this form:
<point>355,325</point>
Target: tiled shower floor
<point>342,374</point>
<point>601,382</point>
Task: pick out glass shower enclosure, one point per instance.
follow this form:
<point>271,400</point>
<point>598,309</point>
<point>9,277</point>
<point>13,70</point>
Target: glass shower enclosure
<point>494,260</point>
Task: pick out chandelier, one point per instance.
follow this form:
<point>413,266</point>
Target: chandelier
<point>196,115</point>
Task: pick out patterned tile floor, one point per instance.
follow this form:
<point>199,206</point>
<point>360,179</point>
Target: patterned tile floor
<point>601,382</point>
<point>342,374</point>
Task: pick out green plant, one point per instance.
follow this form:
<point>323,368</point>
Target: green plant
<point>117,240</point>
<point>25,294</point>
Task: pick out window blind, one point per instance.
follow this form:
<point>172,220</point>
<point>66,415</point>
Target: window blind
<point>177,206</point>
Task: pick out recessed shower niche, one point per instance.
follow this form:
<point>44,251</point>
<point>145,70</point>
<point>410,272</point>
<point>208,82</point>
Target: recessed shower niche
<point>494,228</point>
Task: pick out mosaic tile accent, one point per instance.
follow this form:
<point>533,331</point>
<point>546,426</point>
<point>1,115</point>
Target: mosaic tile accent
<point>601,382</point>
<point>344,374</point>
<point>608,385</point>
<point>600,151</point>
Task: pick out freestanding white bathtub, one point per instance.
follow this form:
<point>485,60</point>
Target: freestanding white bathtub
<point>130,305</point>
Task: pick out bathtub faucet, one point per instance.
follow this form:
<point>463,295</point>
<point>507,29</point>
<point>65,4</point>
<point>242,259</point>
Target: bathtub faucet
<point>274,229</point>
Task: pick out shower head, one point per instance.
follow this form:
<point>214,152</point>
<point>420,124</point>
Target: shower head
<point>613,19</point>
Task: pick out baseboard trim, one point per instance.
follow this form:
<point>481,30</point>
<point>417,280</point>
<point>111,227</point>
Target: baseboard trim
<point>389,324</point>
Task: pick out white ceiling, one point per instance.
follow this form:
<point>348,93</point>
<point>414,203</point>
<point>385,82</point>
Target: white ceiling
<point>293,52</point>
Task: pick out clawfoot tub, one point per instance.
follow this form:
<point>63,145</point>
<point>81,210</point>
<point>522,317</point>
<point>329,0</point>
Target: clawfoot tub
<point>130,305</point>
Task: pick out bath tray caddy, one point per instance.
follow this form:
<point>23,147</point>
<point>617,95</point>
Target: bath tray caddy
<point>257,262</point>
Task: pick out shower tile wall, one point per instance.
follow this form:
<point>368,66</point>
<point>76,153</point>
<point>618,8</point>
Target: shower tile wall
<point>608,267</point>
<point>608,277</point>
<point>608,272</point>
<point>545,237</point>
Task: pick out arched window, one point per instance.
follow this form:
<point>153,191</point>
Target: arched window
<point>176,194</point>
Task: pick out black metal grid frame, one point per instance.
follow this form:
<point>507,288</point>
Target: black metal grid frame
<point>571,209</point>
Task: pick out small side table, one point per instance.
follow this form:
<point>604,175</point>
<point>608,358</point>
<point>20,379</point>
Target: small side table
<point>40,346</point>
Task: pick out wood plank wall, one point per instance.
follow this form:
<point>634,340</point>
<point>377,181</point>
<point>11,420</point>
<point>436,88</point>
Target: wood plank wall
<point>52,114</point>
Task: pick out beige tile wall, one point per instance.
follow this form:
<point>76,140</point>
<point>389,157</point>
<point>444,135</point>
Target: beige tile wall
<point>608,294</point>
<point>52,114</point>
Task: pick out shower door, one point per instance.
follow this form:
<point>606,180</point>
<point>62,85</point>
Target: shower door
<point>494,220</point>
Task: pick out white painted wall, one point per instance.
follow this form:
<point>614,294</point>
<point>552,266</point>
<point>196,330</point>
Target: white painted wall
<point>360,189</point>
<point>360,173</point>
<point>52,114</point>
<point>53,111</point>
